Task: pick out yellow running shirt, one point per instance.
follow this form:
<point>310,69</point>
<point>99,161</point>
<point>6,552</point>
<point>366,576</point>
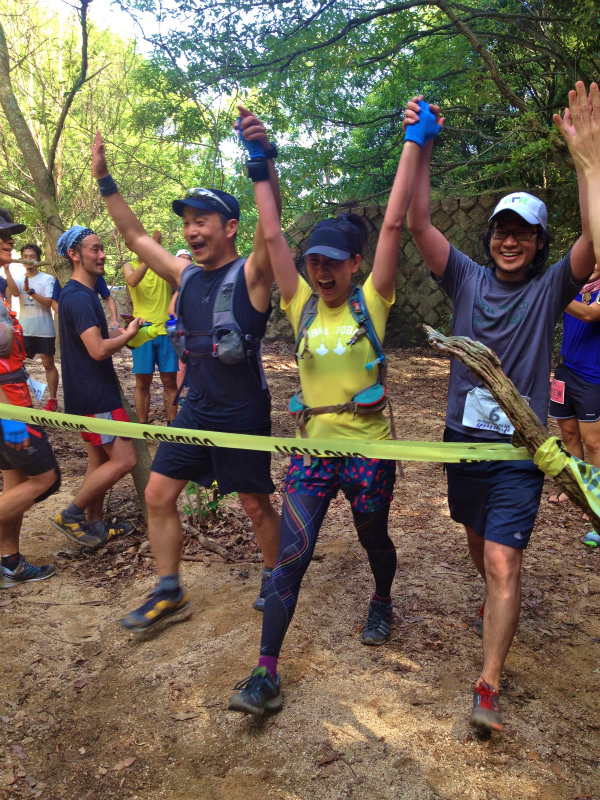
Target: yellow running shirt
<point>336,372</point>
<point>151,297</point>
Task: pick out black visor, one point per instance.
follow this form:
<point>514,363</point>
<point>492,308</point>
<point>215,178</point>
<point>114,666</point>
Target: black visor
<point>330,242</point>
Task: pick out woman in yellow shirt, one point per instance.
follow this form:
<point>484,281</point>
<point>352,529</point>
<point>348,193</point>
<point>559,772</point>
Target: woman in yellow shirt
<point>335,363</point>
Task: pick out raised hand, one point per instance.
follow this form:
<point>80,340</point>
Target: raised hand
<point>580,127</point>
<point>413,110</point>
<point>99,165</point>
<point>251,127</point>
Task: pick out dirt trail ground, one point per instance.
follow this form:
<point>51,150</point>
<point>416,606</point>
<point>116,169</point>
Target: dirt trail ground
<point>88,713</point>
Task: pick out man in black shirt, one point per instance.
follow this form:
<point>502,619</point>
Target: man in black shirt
<point>90,385</point>
<point>221,396</point>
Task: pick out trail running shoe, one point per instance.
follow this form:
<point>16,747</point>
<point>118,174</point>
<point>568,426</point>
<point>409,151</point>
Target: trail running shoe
<point>259,693</point>
<point>119,528</point>
<point>158,607</point>
<point>51,405</point>
<point>486,714</point>
<point>591,539</point>
<point>77,531</point>
<point>24,572</point>
<point>379,623</point>
<point>478,624</point>
<point>259,603</point>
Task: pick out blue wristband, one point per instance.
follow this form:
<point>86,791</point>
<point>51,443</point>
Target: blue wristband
<point>425,129</point>
<point>14,432</point>
<point>107,185</point>
<point>254,148</point>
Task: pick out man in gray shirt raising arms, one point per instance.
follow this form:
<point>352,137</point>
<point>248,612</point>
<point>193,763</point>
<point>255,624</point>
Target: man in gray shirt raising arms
<point>512,306</point>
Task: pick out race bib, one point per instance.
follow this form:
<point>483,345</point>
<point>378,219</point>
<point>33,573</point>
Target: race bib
<point>483,412</point>
<point>557,391</point>
<point>36,388</point>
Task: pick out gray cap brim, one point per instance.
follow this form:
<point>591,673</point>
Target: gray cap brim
<point>329,252</point>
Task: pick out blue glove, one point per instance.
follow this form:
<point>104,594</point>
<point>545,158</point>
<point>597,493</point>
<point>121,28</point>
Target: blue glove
<point>254,148</point>
<point>425,129</point>
<point>14,432</point>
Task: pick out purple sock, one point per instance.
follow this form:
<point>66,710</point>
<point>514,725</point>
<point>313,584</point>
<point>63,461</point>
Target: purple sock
<point>377,599</point>
<point>270,662</point>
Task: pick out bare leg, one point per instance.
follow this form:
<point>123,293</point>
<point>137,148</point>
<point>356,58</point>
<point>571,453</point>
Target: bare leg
<point>169,382</point>
<point>476,549</point>
<point>121,459</point>
<point>18,495</point>
<point>590,431</point>
<point>142,396</point>
<point>502,566</point>
<point>51,374</point>
<point>10,530</point>
<point>265,521</point>
<point>96,457</point>
<point>571,436</point>
<point>164,526</point>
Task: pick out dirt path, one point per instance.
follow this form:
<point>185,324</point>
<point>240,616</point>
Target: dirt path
<point>88,713</point>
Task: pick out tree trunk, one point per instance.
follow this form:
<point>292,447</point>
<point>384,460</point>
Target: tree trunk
<point>141,472</point>
<point>529,431</point>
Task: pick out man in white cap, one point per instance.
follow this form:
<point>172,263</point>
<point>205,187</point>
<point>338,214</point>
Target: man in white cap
<point>151,295</point>
<point>511,305</point>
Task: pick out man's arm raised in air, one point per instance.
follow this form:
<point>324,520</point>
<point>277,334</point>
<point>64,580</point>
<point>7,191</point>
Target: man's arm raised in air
<point>432,244</point>
<point>258,269</point>
<point>131,229</point>
<point>580,128</point>
<point>385,262</point>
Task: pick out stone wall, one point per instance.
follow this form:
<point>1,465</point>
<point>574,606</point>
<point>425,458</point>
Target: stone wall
<point>461,219</point>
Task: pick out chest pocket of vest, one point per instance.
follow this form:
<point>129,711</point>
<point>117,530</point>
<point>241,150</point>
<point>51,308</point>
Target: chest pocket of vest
<point>6,332</point>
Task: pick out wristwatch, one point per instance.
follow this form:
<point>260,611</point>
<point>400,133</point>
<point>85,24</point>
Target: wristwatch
<point>257,169</point>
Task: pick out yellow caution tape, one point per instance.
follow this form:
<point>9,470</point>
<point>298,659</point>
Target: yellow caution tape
<point>552,459</point>
<point>443,452</point>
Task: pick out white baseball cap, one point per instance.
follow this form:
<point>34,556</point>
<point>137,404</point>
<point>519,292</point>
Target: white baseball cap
<point>526,206</point>
<point>183,252</point>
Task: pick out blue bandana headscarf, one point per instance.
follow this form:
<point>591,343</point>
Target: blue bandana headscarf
<point>71,238</point>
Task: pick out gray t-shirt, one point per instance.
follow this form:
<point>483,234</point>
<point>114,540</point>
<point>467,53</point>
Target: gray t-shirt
<point>514,319</point>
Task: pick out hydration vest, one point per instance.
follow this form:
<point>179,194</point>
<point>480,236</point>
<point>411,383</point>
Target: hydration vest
<point>12,347</point>
<point>229,343</point>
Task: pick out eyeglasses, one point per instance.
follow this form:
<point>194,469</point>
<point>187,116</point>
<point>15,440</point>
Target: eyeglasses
<point>519,235</point>
<point>198,193</point>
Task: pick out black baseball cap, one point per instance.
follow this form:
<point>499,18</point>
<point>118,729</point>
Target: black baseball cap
<point>209,200</point>
<point>11,227</point>
<point>330,242</point>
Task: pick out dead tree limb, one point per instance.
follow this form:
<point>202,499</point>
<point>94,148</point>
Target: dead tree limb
<point>529,431</point>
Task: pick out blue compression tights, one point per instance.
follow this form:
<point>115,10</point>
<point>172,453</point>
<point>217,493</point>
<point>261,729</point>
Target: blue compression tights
<point>301,519</point>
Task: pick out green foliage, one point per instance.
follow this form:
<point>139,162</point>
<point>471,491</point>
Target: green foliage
<point>203,504</point>
<point>332,78</point>
<point>153,159</point>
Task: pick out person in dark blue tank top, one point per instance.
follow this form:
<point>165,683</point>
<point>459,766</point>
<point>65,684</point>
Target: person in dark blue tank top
<point>225,397</point>
<point>575,391</point>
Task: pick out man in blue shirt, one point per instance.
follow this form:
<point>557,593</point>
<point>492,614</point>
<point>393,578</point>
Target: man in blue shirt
<point>90,385</point>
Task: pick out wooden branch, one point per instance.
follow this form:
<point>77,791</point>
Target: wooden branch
<point>529,431</point>
<point>22,198</point>
<point>75,88</point>
<point>209,544</point>
<point>482,50</point>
